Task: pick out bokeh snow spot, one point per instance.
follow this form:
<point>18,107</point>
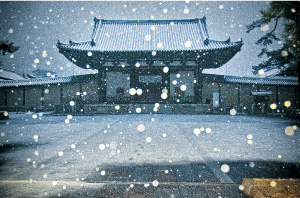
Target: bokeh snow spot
<point>141,128</point>
<point>164,96</point>
<point>72,103</point>
<point>186,11</point>
<point>132,91</point>
<point>208,130</point>
<point>183,87</point>
<point>273,106</point>
<point>101,146</point>
<point>166,69</point>
<point>188,44</point>
<point>279,156</point>
<point>261,72</point>
<point>197,131</point>
<point>284,53</point>
<point>241,187</point>
<point>139,91</point>
<point>148,37</point>
<point>155,183</point>
<point>289,130</point>
<point>250,137</point>
<point>225,168</point>
<point>273,183</point>
<point>232,112</point>
<point>60,153</point>
<point>251,164</point>
<point>103,172</point>
<point>148,139</point>
<point>264,27</point>
<point>287,103</point>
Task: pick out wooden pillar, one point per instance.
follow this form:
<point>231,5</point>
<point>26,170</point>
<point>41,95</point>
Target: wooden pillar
<point>198,84</point>
<point>24,96</point>
<point>166,84</point>
<point>5,99</point>
<point>277,98</point>
<point>102,85</point>
<point>239,96</point>
<point>43,95</point>
<point>61,93</point>
<point>133,78</point>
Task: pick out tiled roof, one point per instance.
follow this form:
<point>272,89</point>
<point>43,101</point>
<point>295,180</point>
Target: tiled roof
<point>285,81</point>
<point>47,81</point>
<point>150,35</point>
<point>9,75</point>
<point>290,81</point>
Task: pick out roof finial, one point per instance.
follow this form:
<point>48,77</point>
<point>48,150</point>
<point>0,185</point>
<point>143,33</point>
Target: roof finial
<point>93,43</point>
<point>58,42</point>
<point>206,41</point>
<point>71,42</point>
<point>228,40</point>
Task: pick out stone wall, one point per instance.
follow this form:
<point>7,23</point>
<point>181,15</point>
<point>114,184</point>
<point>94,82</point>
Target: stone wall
<point>15,96</point>
<point>2,97</point>
<point>208,88</point>
<point>87,92</point>
<point>52,95</point>
<point>230,92</point>
<point>92,92</point>
<point>33,95</point>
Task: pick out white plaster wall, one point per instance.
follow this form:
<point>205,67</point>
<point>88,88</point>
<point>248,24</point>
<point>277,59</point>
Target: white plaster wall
<point>115,80</point>
<point>186,78</point>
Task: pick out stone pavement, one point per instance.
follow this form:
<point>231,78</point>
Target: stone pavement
<point>183,180</point>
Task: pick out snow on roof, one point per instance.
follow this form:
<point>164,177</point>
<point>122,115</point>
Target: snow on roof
<point>150,35</point>
<point>6,74</point>
<point>290,81</point>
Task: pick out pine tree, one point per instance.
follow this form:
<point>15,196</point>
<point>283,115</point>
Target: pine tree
<point>7,47</point>
<point>286,59</point>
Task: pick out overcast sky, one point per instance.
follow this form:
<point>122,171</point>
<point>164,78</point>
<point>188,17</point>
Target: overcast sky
<point>36,27</point>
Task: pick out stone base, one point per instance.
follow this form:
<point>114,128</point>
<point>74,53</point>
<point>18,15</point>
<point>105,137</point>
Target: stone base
<point>147,109</point>
<point>263,188</point>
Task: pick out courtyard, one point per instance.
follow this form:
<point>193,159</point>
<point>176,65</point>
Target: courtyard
<point>143,155</point>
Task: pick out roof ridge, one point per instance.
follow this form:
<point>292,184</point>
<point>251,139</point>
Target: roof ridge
<point>148,21</point>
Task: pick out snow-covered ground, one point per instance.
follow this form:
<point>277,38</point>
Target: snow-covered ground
<point>58,152</point>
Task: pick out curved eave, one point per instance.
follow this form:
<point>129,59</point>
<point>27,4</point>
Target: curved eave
<point>223,54</point>
<point>71,48</point>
